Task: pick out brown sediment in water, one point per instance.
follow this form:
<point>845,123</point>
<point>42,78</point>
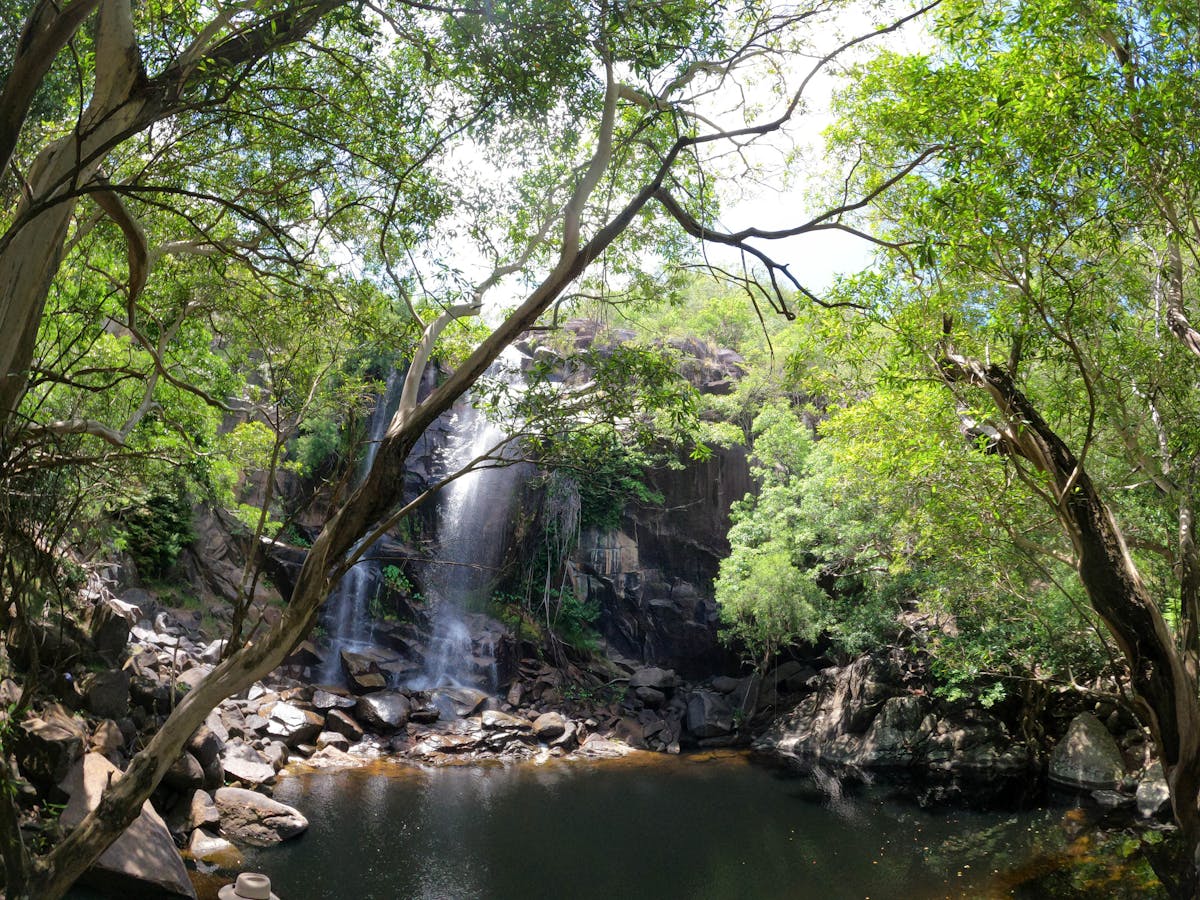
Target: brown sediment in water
<point>402,768</point>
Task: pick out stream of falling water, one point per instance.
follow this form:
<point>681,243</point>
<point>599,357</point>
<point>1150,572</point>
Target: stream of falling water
<point>349,619</point>
<point>474,527</point>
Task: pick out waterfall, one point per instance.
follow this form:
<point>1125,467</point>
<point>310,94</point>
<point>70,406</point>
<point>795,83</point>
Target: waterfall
<point>473,531</point>
<point>348,617</point>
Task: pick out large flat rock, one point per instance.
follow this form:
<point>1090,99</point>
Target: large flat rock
<point>251,818</point>
<point>143,862</point>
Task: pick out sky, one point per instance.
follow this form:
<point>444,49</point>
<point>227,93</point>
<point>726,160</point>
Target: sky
<point>816,259</point>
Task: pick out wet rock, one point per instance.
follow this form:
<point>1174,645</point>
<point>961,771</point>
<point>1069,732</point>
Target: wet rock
<point>384,710</point>
<point>245,764</point>
<point>293,725</point>
<point>423,711</point>
<point>1153,795</point>
<point>724,684</point>
<point>709,714</point>
<point>460,702</point>
<point>367,682</point>
<point>250,817</point>
<point>143,861</point>
<point>362,672</point>
<point>549,726</point>
<point>494,719</point>
<point>1087,756</point>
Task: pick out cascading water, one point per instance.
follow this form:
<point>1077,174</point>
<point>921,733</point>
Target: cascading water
<point>348,619</point>
<point>474,524</point>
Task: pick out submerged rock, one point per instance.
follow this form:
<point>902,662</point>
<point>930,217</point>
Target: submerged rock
<point>1153,794</point>
<point>210,848</point>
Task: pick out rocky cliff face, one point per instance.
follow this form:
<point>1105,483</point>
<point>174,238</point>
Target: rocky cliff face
<point>653,578</point>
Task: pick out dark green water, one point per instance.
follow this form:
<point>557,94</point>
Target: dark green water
<point>690,828</point>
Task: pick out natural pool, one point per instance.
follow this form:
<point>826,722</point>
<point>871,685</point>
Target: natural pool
<point>715,827</point>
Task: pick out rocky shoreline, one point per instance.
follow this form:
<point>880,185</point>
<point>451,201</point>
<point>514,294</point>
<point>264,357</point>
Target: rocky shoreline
<point>877,714</point>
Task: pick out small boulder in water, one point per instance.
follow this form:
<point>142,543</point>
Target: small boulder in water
<point>1087,756</point>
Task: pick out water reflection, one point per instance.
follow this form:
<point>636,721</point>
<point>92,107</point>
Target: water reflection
<point>660,828</point>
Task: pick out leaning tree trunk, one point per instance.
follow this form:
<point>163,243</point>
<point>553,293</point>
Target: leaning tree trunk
<point>1163,687</point>
<point>371,502</point>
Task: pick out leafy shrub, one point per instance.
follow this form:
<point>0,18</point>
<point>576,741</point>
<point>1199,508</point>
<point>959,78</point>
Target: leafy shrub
<point>154,531</point>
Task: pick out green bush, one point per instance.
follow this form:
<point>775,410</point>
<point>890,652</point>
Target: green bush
<point>154,531</point>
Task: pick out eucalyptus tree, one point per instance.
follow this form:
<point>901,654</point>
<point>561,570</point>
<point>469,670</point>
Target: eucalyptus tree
<point>1045,276</point>
<point>608,128</point>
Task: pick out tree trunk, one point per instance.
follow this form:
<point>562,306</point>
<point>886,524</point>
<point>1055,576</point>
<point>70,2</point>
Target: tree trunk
<point>1164,689</point>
